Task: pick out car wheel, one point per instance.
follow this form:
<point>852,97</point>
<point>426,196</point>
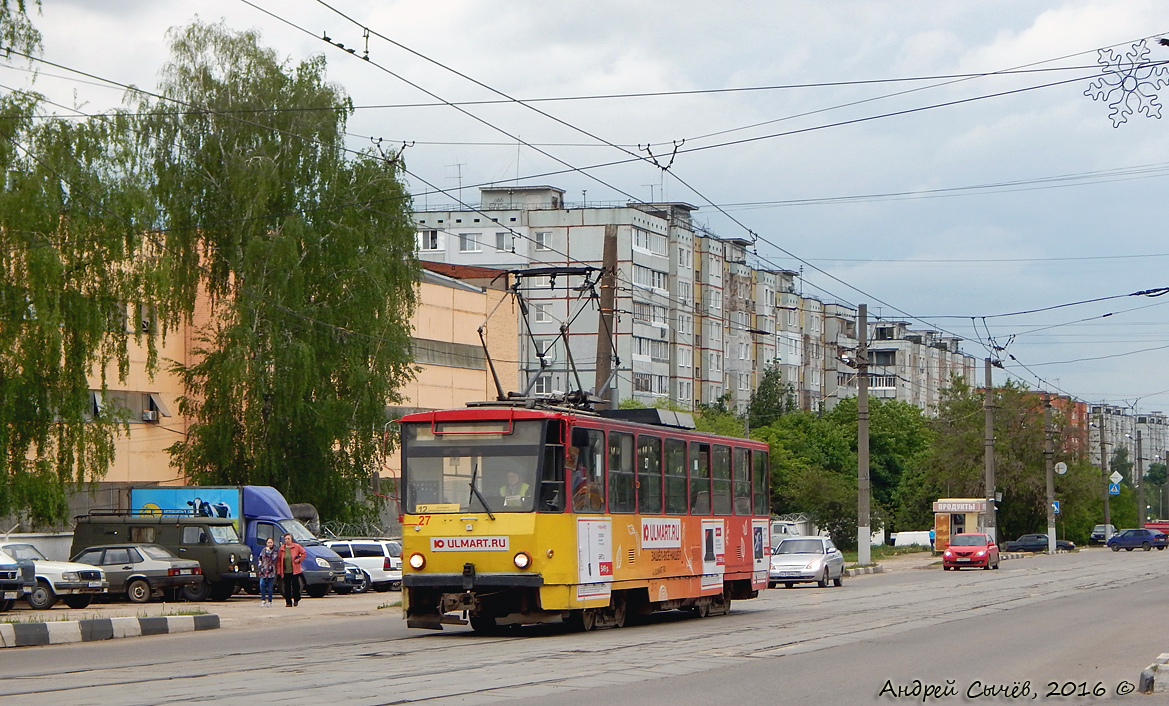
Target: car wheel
<point>1146,546</point>
<point>221,590</point>
<point>839,580</point>
<point>317,590</point>
<point>138,591</point>
<point>6,604</point>
<point>42,597</point>
<point>1161,547</point>
<point>196,592</point>
<point>78,601</point>
<point>383,587</point>
<point>1115,547</point>
<point>823,582</point>
<point>342,590</point>
<point>364,585</point>
<point>788,584</point>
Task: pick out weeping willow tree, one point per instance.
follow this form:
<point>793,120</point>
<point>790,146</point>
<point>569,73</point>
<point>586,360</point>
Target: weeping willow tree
<point>305,252</point>
<point>76,254</point>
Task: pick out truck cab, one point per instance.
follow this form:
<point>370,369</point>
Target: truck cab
<point>267,515</point>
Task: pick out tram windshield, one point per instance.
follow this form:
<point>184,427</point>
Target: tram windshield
<point>500,458</point>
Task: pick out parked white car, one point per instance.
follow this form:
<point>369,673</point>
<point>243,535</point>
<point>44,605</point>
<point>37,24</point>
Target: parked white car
<point>74,583</point>
<point>380,559</point>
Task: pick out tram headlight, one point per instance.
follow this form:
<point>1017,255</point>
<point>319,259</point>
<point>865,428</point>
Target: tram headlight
<point>522,560</point>
<point>417,561</point>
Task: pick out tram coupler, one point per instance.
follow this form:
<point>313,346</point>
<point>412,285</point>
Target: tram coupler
<point>458,602</point>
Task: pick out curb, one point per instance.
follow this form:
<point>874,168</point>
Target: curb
<point>1148,679</point>
<point>68,631</point>
<point>878,569</point>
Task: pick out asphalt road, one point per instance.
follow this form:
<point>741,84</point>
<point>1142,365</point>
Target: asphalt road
<point>1086,618</point>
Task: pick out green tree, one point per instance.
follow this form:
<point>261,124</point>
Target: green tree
<point>771,399</point>
<point>311,292</point>
<point>72,219</point>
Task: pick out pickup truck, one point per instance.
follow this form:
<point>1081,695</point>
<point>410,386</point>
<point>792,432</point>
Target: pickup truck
<point>1036,543</point>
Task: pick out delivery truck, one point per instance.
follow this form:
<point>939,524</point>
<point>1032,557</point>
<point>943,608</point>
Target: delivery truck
<point>259,512</point>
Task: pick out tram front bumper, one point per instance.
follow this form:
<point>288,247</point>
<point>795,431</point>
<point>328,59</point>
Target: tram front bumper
<point>459,582</point>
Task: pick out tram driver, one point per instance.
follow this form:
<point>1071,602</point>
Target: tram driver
<point>514,492</point>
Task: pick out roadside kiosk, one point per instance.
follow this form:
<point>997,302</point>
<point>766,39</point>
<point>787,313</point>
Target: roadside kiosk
<point>955,516</point>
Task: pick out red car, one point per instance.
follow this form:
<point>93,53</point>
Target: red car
<point>970,550</point>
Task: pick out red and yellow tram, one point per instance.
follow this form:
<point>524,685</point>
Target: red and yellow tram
<point>522,514</point>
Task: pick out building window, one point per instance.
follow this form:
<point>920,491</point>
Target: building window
<point>684,290</point>
<point>429,240</point>
<point>650,242</point>
<point>715,361</point>
<point>542,313</point>
<point>887,382</point>
<point>744,382</point>
<point>469,242</point>
<point>684,258</point>
<point>651,348</point>
<point>541,282</point>
<point>543,385</point>
<point>504,242</point>
<point>544,240</point>
<point>646,277</point>
<point>884,357</point>
<point>714,300</point>
<point>686,392</point>
<point>685,357</point>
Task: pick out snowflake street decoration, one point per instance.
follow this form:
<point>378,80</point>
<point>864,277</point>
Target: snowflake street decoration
<point>1129,83</point>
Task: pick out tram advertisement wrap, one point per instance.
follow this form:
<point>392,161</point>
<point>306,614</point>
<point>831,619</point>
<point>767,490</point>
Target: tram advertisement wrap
<point>713,553</point>
<point>661,533</point>
<point>761,544</point>
<point>594,556</point>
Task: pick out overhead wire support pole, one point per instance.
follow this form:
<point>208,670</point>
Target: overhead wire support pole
<point>1104,473</point>
<point>1139,481</point>
<point>1048,462</point>
<point>988,443</point>
<point>863,530</point>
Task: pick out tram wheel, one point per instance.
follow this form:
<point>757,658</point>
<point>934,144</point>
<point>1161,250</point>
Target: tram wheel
<point>619,612</point>
<point>702,609</point>
<point>583,620</point>
<point>485,626</point>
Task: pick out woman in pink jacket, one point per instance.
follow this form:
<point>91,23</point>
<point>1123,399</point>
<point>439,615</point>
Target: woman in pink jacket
<point>288,560</point>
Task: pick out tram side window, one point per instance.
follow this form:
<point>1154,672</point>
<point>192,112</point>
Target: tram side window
<point>649,475</point>
<point>742,487</point>
<point>675,477</point>
<point>622,497</point>
<point>761,473</point>
<point>588,471</point>
<point>699,478</point>
<point>721,476</point>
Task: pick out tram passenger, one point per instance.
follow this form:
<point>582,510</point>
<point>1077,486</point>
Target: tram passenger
<point>514,492</point>
<point>575,469</point>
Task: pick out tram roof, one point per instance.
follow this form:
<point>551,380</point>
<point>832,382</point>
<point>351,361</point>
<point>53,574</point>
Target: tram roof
<point>645,418</point>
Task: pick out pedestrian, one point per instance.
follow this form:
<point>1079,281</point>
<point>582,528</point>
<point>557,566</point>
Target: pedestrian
<point>288,560</point>
<point>266,570</point>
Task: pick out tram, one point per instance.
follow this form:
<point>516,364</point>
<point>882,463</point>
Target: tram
<point>521,513</point>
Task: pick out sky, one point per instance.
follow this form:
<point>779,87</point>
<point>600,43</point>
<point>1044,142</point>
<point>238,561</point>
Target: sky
<point>939,162</point>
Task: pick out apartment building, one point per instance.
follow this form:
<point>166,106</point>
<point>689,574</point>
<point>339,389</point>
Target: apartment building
<point>696,320</point>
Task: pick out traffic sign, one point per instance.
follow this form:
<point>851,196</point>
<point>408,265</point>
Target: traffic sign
<point>1061,468</point>
<point>1115,477</point>
<point>1055,506</point>
<point>1114,489</point>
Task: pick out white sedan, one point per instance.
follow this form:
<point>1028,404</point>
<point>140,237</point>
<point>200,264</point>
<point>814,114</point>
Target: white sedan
<point>804,560</point>
<point>76,584</point>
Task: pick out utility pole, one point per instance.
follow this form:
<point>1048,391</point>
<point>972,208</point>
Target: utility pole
<point>1139,481</point>
<point>1048,456</point>
<point>988,442</point>
<point>1104,472</point>
<point>605,340</point>
<point>864,533</point>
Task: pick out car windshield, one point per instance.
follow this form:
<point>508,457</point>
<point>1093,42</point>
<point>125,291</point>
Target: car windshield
<point>299,532</point>
<point>24,551</point>
<point>800,546</point>
<point>155,552</point>
<point>974,540</point>
<point>500,456</point>
<point>224,534</point>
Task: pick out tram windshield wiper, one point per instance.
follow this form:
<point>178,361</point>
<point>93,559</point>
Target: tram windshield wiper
<point>475,492</point>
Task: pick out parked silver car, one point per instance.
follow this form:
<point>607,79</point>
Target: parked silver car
<point>141,570</point>
<point>379,559</point>
<point>804,560</point>
<point>76,583</point>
